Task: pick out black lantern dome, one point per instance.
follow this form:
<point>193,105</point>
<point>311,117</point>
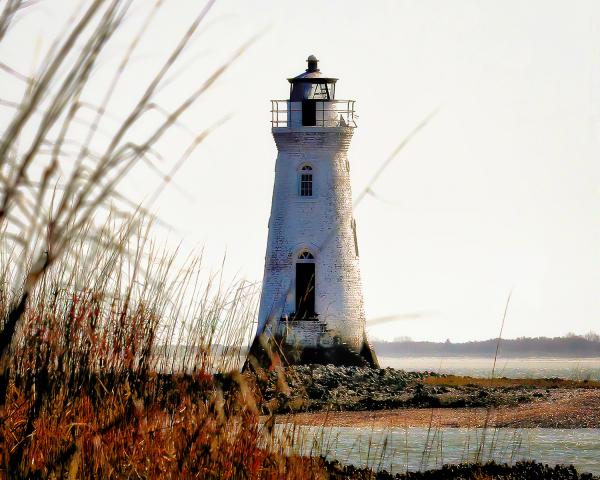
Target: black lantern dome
<point>312,84</point>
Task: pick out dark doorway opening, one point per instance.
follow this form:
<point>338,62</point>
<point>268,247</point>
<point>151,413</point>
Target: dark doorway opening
<point>305,290</point>
<point>309,113</point>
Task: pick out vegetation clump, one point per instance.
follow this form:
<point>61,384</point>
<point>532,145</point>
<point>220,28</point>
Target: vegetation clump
<point>466,471</point>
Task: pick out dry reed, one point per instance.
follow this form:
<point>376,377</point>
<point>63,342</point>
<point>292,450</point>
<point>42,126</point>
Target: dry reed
<point>107,349</point>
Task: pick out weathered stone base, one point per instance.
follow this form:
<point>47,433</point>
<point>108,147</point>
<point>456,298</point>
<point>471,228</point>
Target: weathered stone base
<point>265,353</point>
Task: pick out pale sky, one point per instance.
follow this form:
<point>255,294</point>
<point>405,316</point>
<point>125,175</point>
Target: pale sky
<point>500,191</point>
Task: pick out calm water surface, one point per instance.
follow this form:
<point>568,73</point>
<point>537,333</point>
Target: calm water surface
<point>401,449</point>
<point>572,368</point>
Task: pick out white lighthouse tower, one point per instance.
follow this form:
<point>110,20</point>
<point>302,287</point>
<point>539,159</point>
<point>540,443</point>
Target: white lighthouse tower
<point>312,303</point>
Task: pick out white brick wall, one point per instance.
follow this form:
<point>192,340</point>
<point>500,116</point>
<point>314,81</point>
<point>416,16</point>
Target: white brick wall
<point>321,224</point>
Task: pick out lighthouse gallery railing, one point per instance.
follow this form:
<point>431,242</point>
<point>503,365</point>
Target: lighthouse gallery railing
<point>330,113</point>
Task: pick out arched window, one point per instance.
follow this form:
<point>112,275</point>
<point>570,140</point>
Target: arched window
<point>306,181</point>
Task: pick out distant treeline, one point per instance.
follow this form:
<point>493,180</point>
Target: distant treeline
<point>569,346</point>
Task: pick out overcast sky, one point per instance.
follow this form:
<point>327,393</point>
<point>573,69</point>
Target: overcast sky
<point>500,191</point>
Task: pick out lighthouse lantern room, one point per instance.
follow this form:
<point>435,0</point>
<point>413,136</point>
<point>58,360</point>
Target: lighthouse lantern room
<point>311,305</point>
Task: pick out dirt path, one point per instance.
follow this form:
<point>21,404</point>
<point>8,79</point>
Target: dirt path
<point>565,409</point>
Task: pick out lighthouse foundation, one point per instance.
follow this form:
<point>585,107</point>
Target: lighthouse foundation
<point>305,342</point>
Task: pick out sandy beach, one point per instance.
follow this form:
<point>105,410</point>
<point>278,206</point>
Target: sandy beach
<point>575,408</point>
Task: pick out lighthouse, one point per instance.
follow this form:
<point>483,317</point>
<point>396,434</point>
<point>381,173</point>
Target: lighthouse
<point>311,307</point>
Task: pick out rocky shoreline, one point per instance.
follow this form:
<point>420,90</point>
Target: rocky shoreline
<point>367,397</point>
<point>315,388</point>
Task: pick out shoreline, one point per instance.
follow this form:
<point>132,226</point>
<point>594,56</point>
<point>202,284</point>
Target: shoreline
<point>565,409</point>
<point>319,389</point>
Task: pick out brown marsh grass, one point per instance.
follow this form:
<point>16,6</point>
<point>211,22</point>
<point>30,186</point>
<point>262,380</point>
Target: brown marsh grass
<point>107,347</point>
<point>461,381</point>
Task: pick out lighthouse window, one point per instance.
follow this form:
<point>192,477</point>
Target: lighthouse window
<point>306,182</point>
<point>319,91</point>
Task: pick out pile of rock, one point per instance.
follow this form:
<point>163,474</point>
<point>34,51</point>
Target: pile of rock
<point>326,387</point>
<point>317,387</point>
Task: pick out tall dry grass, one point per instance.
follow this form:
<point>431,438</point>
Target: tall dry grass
<point>96,389</point>
<point>107,347</point>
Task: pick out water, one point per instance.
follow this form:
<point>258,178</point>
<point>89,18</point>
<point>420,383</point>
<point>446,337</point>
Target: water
<point>571,368</point>
<point>402,449</point>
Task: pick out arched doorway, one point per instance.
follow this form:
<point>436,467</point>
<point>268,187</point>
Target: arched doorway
<point>305,285</point>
